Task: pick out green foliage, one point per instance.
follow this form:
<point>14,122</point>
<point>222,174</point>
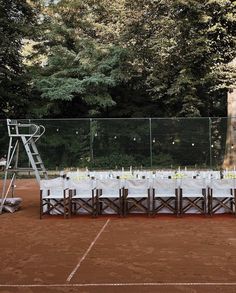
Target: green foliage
<point>78,66</point>
<point>121,58</point>
<point>196,37</point>
<point>163,160</point>
<point>114,161</point>
<point>16,22</point>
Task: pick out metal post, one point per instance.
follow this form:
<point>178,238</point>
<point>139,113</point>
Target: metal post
<point>29,165</point>
<point>150,137</point>
<point>210,143</point>
<point>91,139</point>
<point>7,166</point>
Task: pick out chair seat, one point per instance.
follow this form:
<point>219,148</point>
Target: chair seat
<point>109,196</point>
<point>164,195</point>
<point>192,194</point>
<point>222,195</point>
<point>54,196</point>
<point>137,195</point>
<point>78,196</point>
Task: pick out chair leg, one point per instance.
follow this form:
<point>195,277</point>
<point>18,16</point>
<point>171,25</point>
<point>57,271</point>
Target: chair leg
<point>64,204</point>
<point>69,207</point>
<point>210,205</point>
<point>153,204</point>
<point>120,206</point>
<point>125,202</point>
<point>97,205</point>
<point>204,201</point>
<point>234,190</point>
<point>180,204</point>
<point>93,206</point>
<point>149,205</point>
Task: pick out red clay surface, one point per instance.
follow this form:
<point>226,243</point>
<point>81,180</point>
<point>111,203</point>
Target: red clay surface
<point>136,249</point>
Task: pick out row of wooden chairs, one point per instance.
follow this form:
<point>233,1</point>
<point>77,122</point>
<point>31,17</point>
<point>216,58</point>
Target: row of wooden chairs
<point>65,197</point>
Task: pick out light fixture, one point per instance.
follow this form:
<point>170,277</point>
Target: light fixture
<point>193,144</point>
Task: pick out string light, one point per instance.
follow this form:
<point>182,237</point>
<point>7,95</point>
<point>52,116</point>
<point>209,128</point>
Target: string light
<point>77,132</point>
<point>57,129</point>
<point>115,137</point>
<point>134,139</point>
<point>154,140</point>
<point>193,144</point>
<point>173,142</point>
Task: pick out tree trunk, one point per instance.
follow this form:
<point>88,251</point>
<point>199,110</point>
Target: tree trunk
<point>230,149</point>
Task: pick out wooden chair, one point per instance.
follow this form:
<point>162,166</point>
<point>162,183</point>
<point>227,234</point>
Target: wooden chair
<point>82,196</point>
<point>222,196</point>
<point>165,196</point>
<point>192,196</point>
<point>54,197</point>
<point>109,196</point>
<point>137,196</point>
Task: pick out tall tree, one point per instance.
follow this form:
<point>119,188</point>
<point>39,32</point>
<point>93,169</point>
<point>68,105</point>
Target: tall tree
<point>16,21</point>
<point>180,46</point>
<point>137,58</point>
<point>83,63</point>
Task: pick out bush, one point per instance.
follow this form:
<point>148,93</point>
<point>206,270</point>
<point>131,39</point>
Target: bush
<point>113,161</point>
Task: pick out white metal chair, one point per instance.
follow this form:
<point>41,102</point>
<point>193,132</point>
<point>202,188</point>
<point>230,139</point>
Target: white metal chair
<point>222,196</point>
<point>109,196</point>
<point>192,196</point>
<point>54,197</point>
<point>165,196</point>
<point>137,196</point>
<point>82,196</point>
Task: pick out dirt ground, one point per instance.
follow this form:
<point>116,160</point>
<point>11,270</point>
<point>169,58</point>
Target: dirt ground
<point>133,254</point>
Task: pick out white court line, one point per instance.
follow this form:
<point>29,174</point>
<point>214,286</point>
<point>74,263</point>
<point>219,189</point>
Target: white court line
<point>86,252</point>
<point>116,285</point>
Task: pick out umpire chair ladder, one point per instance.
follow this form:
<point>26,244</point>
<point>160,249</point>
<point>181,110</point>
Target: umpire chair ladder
<point>26,134</point>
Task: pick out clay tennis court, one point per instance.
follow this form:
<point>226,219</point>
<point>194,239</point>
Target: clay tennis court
<point>112,254</point>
